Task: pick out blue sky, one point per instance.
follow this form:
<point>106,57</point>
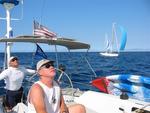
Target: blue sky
<point>84,20</point>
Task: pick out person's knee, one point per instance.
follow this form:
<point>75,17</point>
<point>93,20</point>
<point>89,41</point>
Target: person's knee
<point>81,108</point>
<point>77,108</point>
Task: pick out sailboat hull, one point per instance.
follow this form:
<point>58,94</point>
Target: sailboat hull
<point>109,54</point>
<point>106,103</point>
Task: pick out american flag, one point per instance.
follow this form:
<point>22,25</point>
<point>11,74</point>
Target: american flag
<point>40,30</point>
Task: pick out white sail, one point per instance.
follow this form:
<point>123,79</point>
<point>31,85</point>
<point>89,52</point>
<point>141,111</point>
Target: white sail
<point>107,47</point>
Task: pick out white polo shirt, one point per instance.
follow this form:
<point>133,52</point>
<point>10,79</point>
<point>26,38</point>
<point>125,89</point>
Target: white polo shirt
<point>14,76</point>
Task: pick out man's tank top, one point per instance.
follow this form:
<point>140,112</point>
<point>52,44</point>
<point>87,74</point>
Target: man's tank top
<point>51,98</point>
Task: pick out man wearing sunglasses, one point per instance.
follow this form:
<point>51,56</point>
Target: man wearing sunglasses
<point>13,77</point>
<point>45,95</point>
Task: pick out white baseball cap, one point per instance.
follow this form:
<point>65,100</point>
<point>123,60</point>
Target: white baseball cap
<point>42,62</point>
<point>12,57</point>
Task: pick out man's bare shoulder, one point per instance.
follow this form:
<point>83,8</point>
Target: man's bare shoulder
<point>36,89</point>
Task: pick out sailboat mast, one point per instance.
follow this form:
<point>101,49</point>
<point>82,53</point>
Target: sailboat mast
<point>8,5</point>
<point>9,29</point>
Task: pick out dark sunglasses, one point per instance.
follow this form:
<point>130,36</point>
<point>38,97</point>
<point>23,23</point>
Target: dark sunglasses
<point>14,59</point>
<point>48,65</point>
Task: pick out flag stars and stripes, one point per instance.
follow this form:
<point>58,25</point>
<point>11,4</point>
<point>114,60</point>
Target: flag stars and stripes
<point>40,30</point>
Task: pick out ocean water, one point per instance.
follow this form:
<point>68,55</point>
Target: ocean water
<point>79,71</point>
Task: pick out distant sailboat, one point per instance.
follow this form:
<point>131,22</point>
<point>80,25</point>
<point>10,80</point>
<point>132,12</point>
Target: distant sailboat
<point>110,45</point>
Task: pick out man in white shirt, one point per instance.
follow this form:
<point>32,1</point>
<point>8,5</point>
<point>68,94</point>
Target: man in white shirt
<point>13,77</point>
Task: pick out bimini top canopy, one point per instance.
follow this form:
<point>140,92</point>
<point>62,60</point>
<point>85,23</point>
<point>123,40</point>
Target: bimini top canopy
<point>68,43</point>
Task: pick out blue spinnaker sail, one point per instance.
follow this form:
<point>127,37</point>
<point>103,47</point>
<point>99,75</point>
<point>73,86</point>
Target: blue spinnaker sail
<point>123,38</point>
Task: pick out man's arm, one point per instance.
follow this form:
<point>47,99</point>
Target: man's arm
<point>4,74</point>
<point>36,97</point>
<point>30,71</point>
<point>63,107</point>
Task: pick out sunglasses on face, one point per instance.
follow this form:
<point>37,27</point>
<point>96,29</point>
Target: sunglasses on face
<point>14,59</point>
<point>48,65</point>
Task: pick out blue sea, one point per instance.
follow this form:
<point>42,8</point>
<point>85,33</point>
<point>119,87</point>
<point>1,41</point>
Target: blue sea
<point>137,63</point>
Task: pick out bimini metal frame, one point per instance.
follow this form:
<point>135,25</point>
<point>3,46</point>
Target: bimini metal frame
<point>68,43</point>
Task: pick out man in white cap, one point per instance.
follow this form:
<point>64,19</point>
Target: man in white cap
<point>13,77</point>
<point>45,95</point>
